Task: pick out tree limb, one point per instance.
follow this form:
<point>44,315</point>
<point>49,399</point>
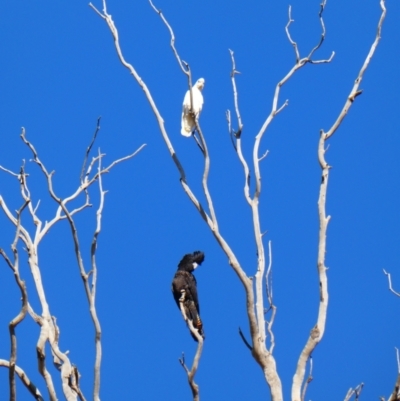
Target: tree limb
<point>24,379</point>
<point>317,331</point>
<point>22,313</point>
<point>200,341</point>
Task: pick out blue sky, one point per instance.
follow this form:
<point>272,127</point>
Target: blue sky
<point>60,72</point>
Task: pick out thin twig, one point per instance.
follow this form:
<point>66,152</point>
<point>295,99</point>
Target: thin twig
<point>230,130</point>
<point>183,65</point>
<point>234,72</point>
<point>323,4</point>
<point>355,91</point>
<point>264,155</point>
<point>238,133</point>
<point>205,177</point>
<point>292,42</point>
<point>390,283</point>
<point>198,143</point>
<point>89,148</point>
<point>308,381</point>
<point>356,392</point>
<point>9,172</point>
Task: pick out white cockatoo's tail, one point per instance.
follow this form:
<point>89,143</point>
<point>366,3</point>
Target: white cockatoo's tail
<point>188,122</point>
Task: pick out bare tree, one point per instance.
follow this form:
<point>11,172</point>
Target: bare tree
<point>30,239</point>
<point>260,312</point>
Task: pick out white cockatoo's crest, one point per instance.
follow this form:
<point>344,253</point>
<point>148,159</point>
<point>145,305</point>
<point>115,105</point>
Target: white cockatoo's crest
<point>188,122</point>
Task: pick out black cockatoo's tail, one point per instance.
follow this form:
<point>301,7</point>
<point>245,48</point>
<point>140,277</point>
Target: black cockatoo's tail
<point>184,289</point>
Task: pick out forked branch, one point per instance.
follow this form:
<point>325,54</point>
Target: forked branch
<point>356,392</point>
<point>200,341</point>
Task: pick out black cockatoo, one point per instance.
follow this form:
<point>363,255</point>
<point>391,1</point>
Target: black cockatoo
<point>184,288</point>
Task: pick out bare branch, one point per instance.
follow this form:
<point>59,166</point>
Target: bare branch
<point>97,11</point>
<point>234,71</point>
<point>238,133</point>
<point>356,392</point>
<point>200,341</point>
<point>323,61</point>
<point>114,31</point>
<point>231,132</point>
<point>308,381</point>
<point>9,172</point>
<point>96,321</point>
<point>272,307</point>
<point>263,156</point>
<point>25,380</point>
<point>395,396</point>
<point>284,105</point>
<point>198,143</point>
<point>40,351</point>
<point>299,64</point>
<point>293,43</point>
<point>205,178</point>
<point>115,162</point>
<point>323,4</point>
<point>390,283</point>
<point>89,149</point>
<point>317,331</point>
<point>74,383</point>
<point>355,91</point>
<point>193,386</point>
<point>22,313</point>
<point>201,144</point>
<point>398,360</point>
<point>184,66</point>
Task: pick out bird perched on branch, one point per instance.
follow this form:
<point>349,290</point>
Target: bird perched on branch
<point>184,289</point>
<point>189,110</point>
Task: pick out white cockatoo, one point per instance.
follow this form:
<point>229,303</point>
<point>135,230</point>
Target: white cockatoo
<point>188,122</point>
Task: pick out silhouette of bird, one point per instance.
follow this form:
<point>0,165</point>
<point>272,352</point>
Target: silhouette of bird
<point>184,289</point>
<point>188,122</point>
